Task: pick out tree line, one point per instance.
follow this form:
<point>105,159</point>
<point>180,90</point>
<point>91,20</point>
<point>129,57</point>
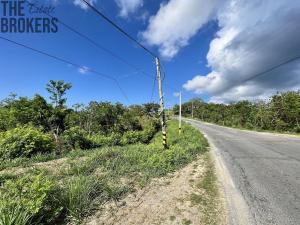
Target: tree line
<point>280,112</point>
<point>35,125</point>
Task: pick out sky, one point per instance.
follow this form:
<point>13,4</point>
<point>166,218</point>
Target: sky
<point>209,49</point>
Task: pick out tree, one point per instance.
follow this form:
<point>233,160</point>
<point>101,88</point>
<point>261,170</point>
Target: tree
<point>58,89</point>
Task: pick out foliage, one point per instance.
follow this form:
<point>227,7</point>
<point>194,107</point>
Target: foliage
<point>280,113</point>
<point>15,216</point>
<point>23,122</point>
<point>75,137</point>
<point>24,142</point>
<point>23,111</point>
<point>107,174</point>
<point>79,194</point>
<point>24,198</point>
<point>102,140</point>
<point>58,89</point>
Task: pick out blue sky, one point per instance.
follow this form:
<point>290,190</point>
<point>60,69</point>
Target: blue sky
<point>204,50</point>
<point>26,73</point>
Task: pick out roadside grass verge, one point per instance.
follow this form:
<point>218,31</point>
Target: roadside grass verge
<point>207,196</point>
<point>88,179</point>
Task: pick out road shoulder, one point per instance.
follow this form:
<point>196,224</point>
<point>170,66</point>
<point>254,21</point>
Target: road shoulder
<point>236,207</point>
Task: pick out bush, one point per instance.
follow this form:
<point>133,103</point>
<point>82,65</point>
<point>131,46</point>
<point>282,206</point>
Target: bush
<point>132,137</point>
<point>76,137</point>
<point>24,199</point>
<point>78,196</point>
<point>297,129</point>
<point>24,142</point>
<point>102,140</point>
<point>148,134</point>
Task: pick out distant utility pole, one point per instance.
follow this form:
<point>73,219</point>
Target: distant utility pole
<point>120,29</point>
<point>192,109</point>
<point>162,107</point>
<point>179,112</point>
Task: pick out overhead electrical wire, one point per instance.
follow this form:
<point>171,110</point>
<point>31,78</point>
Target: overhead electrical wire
<point>121,59</point>
<point>97,45</point>
<point>118,28</point>
<point>272,68</point>
<point>69,63</point>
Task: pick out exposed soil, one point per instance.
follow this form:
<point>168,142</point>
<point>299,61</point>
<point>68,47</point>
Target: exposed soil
<point>165,201</point>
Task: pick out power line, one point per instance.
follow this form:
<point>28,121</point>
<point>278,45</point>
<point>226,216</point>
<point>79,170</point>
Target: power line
<point>118,28</point>
<point>121,59</point>
<point>69,63</point>
<point>97,45</point>
<point>273,68</point>
<point>269,70</point>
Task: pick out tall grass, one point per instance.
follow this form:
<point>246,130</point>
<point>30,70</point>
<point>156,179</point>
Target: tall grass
<point>78,196</point>
<point>91,178</point>
<point>14,216</point>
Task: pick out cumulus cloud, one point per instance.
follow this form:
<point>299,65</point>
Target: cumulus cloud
<point>176,22</point>
<point>82,4</point>
<point>128,6</point>
<point>254,36</point>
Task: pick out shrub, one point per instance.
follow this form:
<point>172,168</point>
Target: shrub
<point>76,137</point>
<point>78,196</point>
<point>132,137</point>
<point>148,134</point>
<point>100,140</point>
<point>24,142</point>
<point>297,129</point>
<point>25,198</point>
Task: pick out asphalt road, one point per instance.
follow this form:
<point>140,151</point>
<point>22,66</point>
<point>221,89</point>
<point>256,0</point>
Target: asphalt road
<point>264,168</point>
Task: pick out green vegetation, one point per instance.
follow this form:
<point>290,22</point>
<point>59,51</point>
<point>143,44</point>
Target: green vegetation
<point>24,142</point>
<point>34,130</point>
<point>280,113</point>
<point>109,151</point>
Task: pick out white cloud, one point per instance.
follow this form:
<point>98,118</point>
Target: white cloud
<point>83,70</point>
<point>128,6</point>
<point>82,4</point>
<point>176,22</point>
<point>254,36</point>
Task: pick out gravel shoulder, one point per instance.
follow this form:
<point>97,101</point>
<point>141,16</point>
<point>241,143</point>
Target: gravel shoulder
<point>176,199</point>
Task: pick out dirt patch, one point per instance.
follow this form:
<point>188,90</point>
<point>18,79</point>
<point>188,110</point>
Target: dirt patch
<point>165,201</point>
<point>53,165</point>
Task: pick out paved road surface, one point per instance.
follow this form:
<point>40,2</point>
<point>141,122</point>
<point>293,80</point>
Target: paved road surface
<point>265,170</point>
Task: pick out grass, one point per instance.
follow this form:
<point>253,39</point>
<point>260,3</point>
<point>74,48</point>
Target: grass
<point>16,217</point>
<point>208,200</point>
<point>78,195</point>
<point>90,178</point>
<point>25,162</point>
<point>186,222</point>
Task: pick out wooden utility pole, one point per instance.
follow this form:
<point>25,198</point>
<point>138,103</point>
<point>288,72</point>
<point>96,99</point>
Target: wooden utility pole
<point>162,106</point>
<point>192,108</point>
<point>179,112</point>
